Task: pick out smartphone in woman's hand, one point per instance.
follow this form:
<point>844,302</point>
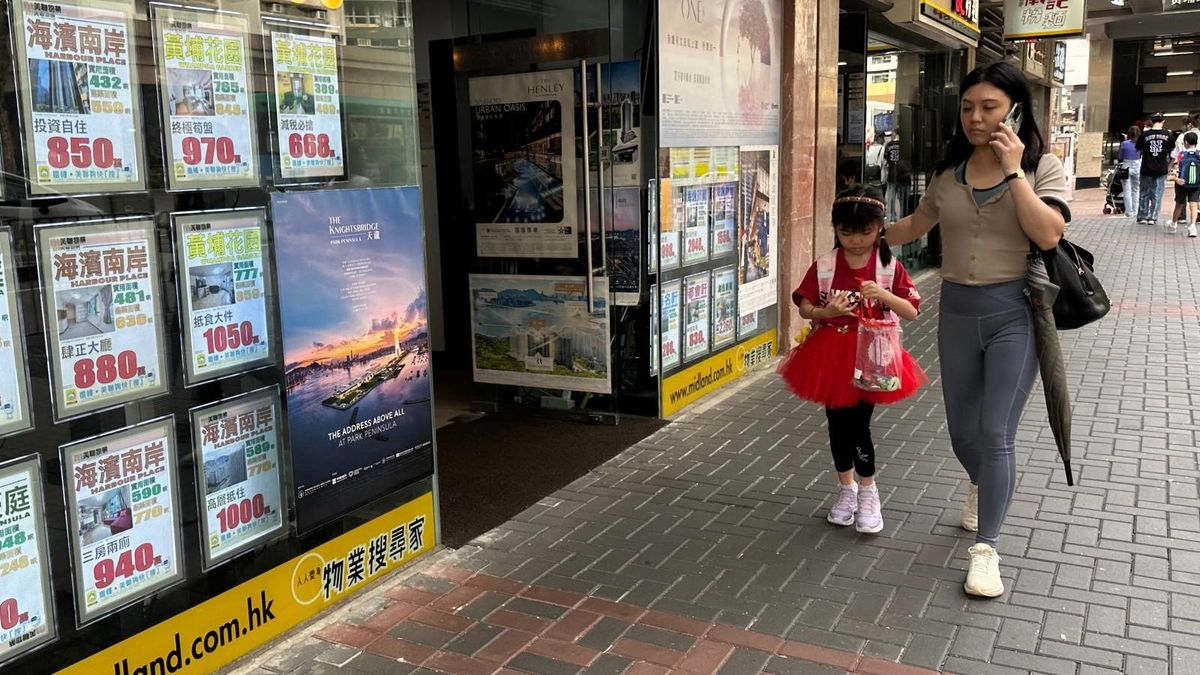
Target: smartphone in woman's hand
<point>1014,118</point>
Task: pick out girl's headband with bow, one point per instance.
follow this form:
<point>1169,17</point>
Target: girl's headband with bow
<point>859,200</point>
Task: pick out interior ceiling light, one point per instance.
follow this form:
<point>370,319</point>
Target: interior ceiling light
<point>1177,73</point>
<point>1118,3</point>
<point>1173,53</point>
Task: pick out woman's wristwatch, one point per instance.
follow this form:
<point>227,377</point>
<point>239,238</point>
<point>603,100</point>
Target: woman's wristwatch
<point>1019,173</point>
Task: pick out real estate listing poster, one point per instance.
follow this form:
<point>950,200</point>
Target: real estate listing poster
<point>747,325</point>
<point>652,226</point>
<point>696,227</point>
<point>538,331</point>
<point>26,596</point>
<point>15,413</point>
<point>354,321</point>
<point>80,102</point>
<point>101,306</point>
<point>308,106</point>
<point>719,69</point>
<point>625,246</point>
<point>670,320</point>
<point>655,329</point>
<point>724,307</point>
<point>523,162</point>
<point>203,61</point>
<point>757,207</point>
<point>670,222</point>
<point>724,219</point>
<point>622,142</point>
<point>236,446</point>
<point>123,516</point>
<point>697,302</point>
<point>226,302</point>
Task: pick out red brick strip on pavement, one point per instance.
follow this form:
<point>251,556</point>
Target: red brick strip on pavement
<point>522,634</point>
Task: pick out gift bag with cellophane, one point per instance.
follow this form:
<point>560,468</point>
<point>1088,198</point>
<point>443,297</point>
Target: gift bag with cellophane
<point>877,363</point>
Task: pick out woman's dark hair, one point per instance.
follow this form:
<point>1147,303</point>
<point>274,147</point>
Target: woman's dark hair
<point>1007,78</point>
<point>858,217</point>
<point>1133,133</point>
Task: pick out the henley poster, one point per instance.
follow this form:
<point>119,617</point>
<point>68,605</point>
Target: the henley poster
<point>100,293</point>
<point>308,106</point>
<point>523,163</point>
<point>123,516</point>
<point>26,596</point>
<point>236,443</point>
<point>205,94</point>
<point>15,413</point>
<point>669,321</point>
<point>625,245</point>
<point>79,100</point>
<point>719,70</point>
<point>225,298</point>
<point>757,207</point>
<point>356,345</point>
<point>696,292</point>
<point>537,331</point>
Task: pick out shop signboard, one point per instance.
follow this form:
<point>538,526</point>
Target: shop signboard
<point>687,385</point>
<point>724,219</point>
<point>724,306</point>
<point>355,345</point>
<point>308,106</point>
<point>1059,72</point>
<point>959,16</point>
<point>15,412</point>
<point>80,103</point>
<point>523,162</point>
<point>227,317</point>
<point>697,295</point>
<point>625,247</point>
<point>720,63</point>
<point>123,516</point>
<point>221,629</point>
<point>237,460</point>
<point>537,331</point>
<point>696,228</point>
<point>204,90</point>
<point>1036,19</point>
<point>671,321</point>
<point>758,267</point>
<point>100,302</point>
<point>26,596</point>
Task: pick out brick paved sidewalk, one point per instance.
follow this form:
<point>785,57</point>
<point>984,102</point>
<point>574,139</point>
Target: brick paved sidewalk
<point>704,548</point>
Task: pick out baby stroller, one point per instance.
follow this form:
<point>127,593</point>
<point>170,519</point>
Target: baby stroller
<point>1114,193</point>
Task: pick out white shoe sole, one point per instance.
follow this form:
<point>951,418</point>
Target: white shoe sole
<point>848,523</point>
<point>970,528</point>
<point>984,592</point>
<point>863,530</point>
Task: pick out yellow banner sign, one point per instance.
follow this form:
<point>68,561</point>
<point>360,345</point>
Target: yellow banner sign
<point>215,633</point>
<point>685,387</point>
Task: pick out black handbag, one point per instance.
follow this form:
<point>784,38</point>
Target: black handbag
<point>1122,173</point>
<point>1081,297</point>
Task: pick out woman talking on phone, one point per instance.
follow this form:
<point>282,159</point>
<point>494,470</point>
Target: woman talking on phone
<point>994,193</point>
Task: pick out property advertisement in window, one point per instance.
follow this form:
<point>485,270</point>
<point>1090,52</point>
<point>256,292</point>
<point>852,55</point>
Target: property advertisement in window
<point>523,163</point>
<point>696,227</point>
<point>203,61</point>
<point>537,331</point>
<point>225,295</point>
<point>724,219</point>
<point>697,295</point>
<point>308,106</point>
<point>724,306</point>
<point>15,413</point>
<point>655,330</point>
<point>122,516</point>
<point>354,320</point>
<point>671,219</point>
<point>26,597</point>
<point>103,314</point>
<point>236,446</point>
<point>758,205</point>
<point>669,319</point>
<point>625,246</point>
<point>80,103</point>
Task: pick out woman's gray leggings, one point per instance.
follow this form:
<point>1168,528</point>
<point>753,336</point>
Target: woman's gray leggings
<point>988,364</point>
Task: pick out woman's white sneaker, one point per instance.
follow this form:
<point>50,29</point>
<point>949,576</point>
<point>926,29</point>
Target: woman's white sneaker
<point>983,576</point>
<point>970,509</point>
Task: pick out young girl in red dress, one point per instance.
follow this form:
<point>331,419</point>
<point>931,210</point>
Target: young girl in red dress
<point>859,275</point>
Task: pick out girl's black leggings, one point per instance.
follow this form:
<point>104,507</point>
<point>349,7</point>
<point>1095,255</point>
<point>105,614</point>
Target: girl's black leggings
<point>850,438</point>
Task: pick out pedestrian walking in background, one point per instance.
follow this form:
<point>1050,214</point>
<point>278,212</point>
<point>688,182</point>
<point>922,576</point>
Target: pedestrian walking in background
<point>1131,161</point>
<point>1156,145</point>
<point>1187,183</point>
<point>874,161</point>
<point>995,192</point>
<point>858,276</point>
<point>1180,212</point>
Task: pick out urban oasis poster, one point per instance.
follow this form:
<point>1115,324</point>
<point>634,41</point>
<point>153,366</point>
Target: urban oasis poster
<point>356,345</point>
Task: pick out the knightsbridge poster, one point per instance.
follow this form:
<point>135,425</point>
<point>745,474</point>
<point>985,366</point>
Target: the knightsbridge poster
<point>523,163</point>
<point>719,71</point>
<point>356,345</point>
<point>79,100</point>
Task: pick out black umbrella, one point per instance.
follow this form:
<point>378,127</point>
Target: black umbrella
<point>1042,293</point>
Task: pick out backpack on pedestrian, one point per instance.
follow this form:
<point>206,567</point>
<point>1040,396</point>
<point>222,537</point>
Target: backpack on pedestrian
<point>1189,169</point>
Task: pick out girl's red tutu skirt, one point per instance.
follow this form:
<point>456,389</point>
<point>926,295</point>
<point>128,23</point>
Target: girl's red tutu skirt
<point>821,370</point>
